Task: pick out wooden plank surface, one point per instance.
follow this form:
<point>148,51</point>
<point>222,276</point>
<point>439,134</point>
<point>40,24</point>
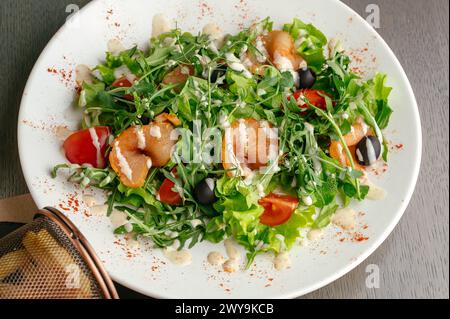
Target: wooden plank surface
<point>414,260</point>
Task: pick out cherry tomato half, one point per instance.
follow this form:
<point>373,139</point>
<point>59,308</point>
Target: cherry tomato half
<point>315,97</point>
<point>277,209</point>
<point>166,194</point>
<point>124,82</point>
<point>88,146</point>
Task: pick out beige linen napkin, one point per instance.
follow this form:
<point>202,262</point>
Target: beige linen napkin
<point>18,209</point>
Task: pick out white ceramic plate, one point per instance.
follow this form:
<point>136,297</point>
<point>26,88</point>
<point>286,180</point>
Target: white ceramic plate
<point>47,104</point>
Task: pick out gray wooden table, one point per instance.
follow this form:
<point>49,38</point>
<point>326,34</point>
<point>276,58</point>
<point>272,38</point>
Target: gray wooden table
<point>414,260</point>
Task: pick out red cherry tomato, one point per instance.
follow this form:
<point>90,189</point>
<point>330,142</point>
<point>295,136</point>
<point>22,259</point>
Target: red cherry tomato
<point>88,146</point>
<point>166,194</point>
<point>277,209</point>
<point>124,82</point>
<point>315,97</point>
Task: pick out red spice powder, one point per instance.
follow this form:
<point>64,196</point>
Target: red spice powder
<point>205,10</point>
<point>354,235</point>
<point>243,10</point>
<point>118,243</point>
<point>71,204</point>
<point>129,253</point>
<point>359,237</point>
<point>66,76</point>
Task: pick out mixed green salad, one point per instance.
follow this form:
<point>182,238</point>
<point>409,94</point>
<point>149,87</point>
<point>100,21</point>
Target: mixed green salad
<point>328,120</point>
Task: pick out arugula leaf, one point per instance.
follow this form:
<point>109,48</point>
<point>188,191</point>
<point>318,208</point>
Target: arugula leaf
<point>158,56</point>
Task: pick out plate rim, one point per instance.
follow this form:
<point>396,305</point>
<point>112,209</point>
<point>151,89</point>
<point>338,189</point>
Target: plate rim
<point>301,290</point>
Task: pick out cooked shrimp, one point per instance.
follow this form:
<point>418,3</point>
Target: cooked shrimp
<point>139,148</point>
<point>357,132</point>
<point>248,145</point>
<point>172,118</point>
<point>178,75</point>
<point>277,47</point>
<point>337,152</point>
<point>281,48</point>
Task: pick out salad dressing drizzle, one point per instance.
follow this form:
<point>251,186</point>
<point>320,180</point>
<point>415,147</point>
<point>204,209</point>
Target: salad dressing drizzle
<point>140,137</point>
<point>96,143</point>
<point>83,74</point>
<point>282,261</point>
<point>215,258</point>
<point>178,257</point>
<point>344,218</point>
<point>375,192</point>
<point>232,264</point>
<point>124,166</point>
<point>115,46</point>
<point>235,64</point>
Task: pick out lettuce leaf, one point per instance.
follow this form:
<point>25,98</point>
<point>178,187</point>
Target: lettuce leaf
<point>135,196</point>
<point>89,93</point>
<point>114,61</point>
<point>240,85</point>
<point>240,219</point>
<point>107,73</point>
<point>324,217</point>
<point>376,99</point>
<point>311,46</point>
<point>291,229</point>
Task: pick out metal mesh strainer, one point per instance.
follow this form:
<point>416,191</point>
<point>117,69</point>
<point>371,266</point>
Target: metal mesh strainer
<point>49,258</point>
